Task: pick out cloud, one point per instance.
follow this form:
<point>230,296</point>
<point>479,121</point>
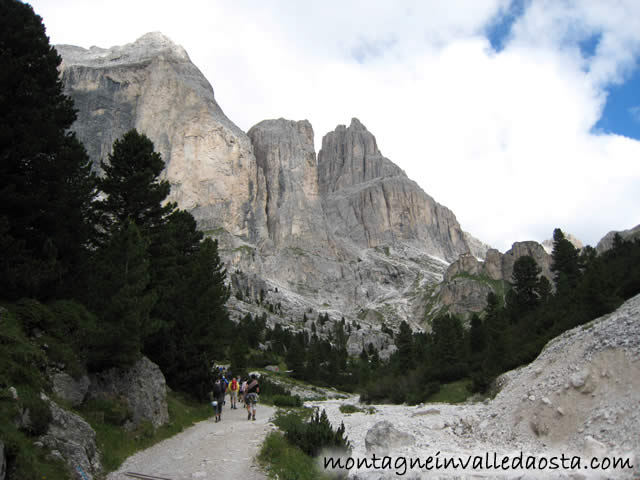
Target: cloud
<point>502,136</point>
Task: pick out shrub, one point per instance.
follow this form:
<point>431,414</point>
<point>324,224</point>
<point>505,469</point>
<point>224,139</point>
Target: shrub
<point>286,400</point>
<point>348,408</point>
<point>39,413</point>
<point>317,434</point>
<point>115,409</point>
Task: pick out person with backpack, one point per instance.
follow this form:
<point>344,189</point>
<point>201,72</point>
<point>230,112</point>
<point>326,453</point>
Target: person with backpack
<point>225,385</point>
<point>218,398</point>
<point>243,390</point>
<point>234,387</point>
<point>251,396</point>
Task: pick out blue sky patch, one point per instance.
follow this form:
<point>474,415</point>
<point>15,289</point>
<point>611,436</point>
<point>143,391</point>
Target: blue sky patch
<point>621,113</point>
<point>499,27</point>
<point>588,45</point>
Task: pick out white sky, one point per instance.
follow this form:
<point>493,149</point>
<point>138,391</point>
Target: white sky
<point>502,139</point>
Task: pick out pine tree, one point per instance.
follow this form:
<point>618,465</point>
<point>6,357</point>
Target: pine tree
<point>46,188</point>
<point>525,287</point>
<point>132,186</point>
<point>564,262</point>
<point>121,300</point>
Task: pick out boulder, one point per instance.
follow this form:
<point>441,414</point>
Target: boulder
<point>74,440</point>
<point>143,386</point>
<point>69,389</point>
<point>383,437</point>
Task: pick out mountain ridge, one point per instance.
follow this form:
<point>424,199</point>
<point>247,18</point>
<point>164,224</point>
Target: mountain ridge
<point>333,227</point>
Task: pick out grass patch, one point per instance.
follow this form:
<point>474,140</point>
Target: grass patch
<point>289,455</point>
<point>116,444</point>
<point>244,249</point>
<point>287,462</point>
<point>454,392</point>
<point>347,409</point>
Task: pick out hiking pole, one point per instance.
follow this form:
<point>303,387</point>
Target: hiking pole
<point>144,476</point>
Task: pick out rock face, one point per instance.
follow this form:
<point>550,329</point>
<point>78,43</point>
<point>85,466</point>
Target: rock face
<point>144,387</point>
<point>345,233</point>
<point>606,242</point>
<point>151,85</point>
<point>579,397</point>
<point>370,201</point>
<point>72,439</point>
<point>467,281</point>
<point>70,389</point>
<point>286,158</point>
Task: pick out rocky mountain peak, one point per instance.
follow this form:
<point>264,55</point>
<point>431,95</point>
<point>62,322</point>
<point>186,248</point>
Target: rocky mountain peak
<point>144,49</point>
<point>344,231</point>
<point>286,158</point>
<point>350,156</point>
<point>548,243</point>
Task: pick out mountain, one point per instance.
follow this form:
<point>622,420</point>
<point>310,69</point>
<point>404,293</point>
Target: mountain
<point>344,232</point>
<point>548,243</point>
<point>468,281</point>
<point>606,242</point>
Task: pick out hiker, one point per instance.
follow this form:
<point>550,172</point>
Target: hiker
<point>241,391</point>
<point>234,386</point>
<point>251,396</point>
<point>218,398</point>
<point>225,386</point>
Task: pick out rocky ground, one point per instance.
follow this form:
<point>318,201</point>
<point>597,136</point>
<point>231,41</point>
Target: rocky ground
<point>581,396</point>
<point>206,451</point>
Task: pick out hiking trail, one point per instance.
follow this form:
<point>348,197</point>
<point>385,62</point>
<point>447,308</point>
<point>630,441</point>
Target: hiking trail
<point>206,450</point>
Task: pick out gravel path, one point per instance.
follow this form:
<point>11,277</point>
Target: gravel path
<point>207,450</point>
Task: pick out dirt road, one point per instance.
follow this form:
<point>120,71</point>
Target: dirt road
<point>207,450</point>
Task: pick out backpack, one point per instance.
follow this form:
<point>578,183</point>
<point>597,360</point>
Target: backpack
<point>218,389</point>
<point>234,385</point>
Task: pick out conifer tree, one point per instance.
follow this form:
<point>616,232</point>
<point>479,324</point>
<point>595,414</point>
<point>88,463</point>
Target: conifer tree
<point>121,301</point>
<point>564,262</point>
<point>525,287</point>
<point>46,188</point>
<point>132,186</point>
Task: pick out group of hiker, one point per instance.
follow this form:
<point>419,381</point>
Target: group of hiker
<point>244,390</point>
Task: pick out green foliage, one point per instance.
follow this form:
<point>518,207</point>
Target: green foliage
<point>454,392</point>
<point>317,434</point>
<point>46,189</point>
<point>121,300</point>
<point>117,444</point>
<point>132,186</point>
<point>348,409</point>
<point>38,410</point>
<point>22,365</point>
<point>286,400</point>
<point>525,286</point>
<point>564,262</point>
<point>113,409</point>
<point>287,462</point>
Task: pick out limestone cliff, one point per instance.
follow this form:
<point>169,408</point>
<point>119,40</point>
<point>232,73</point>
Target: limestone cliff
<point>346,233</point>
<point>151,85</point>
<point>286,158</point>
<point>370,201</point>
<point>468,280</point>
<point>606,242</point>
